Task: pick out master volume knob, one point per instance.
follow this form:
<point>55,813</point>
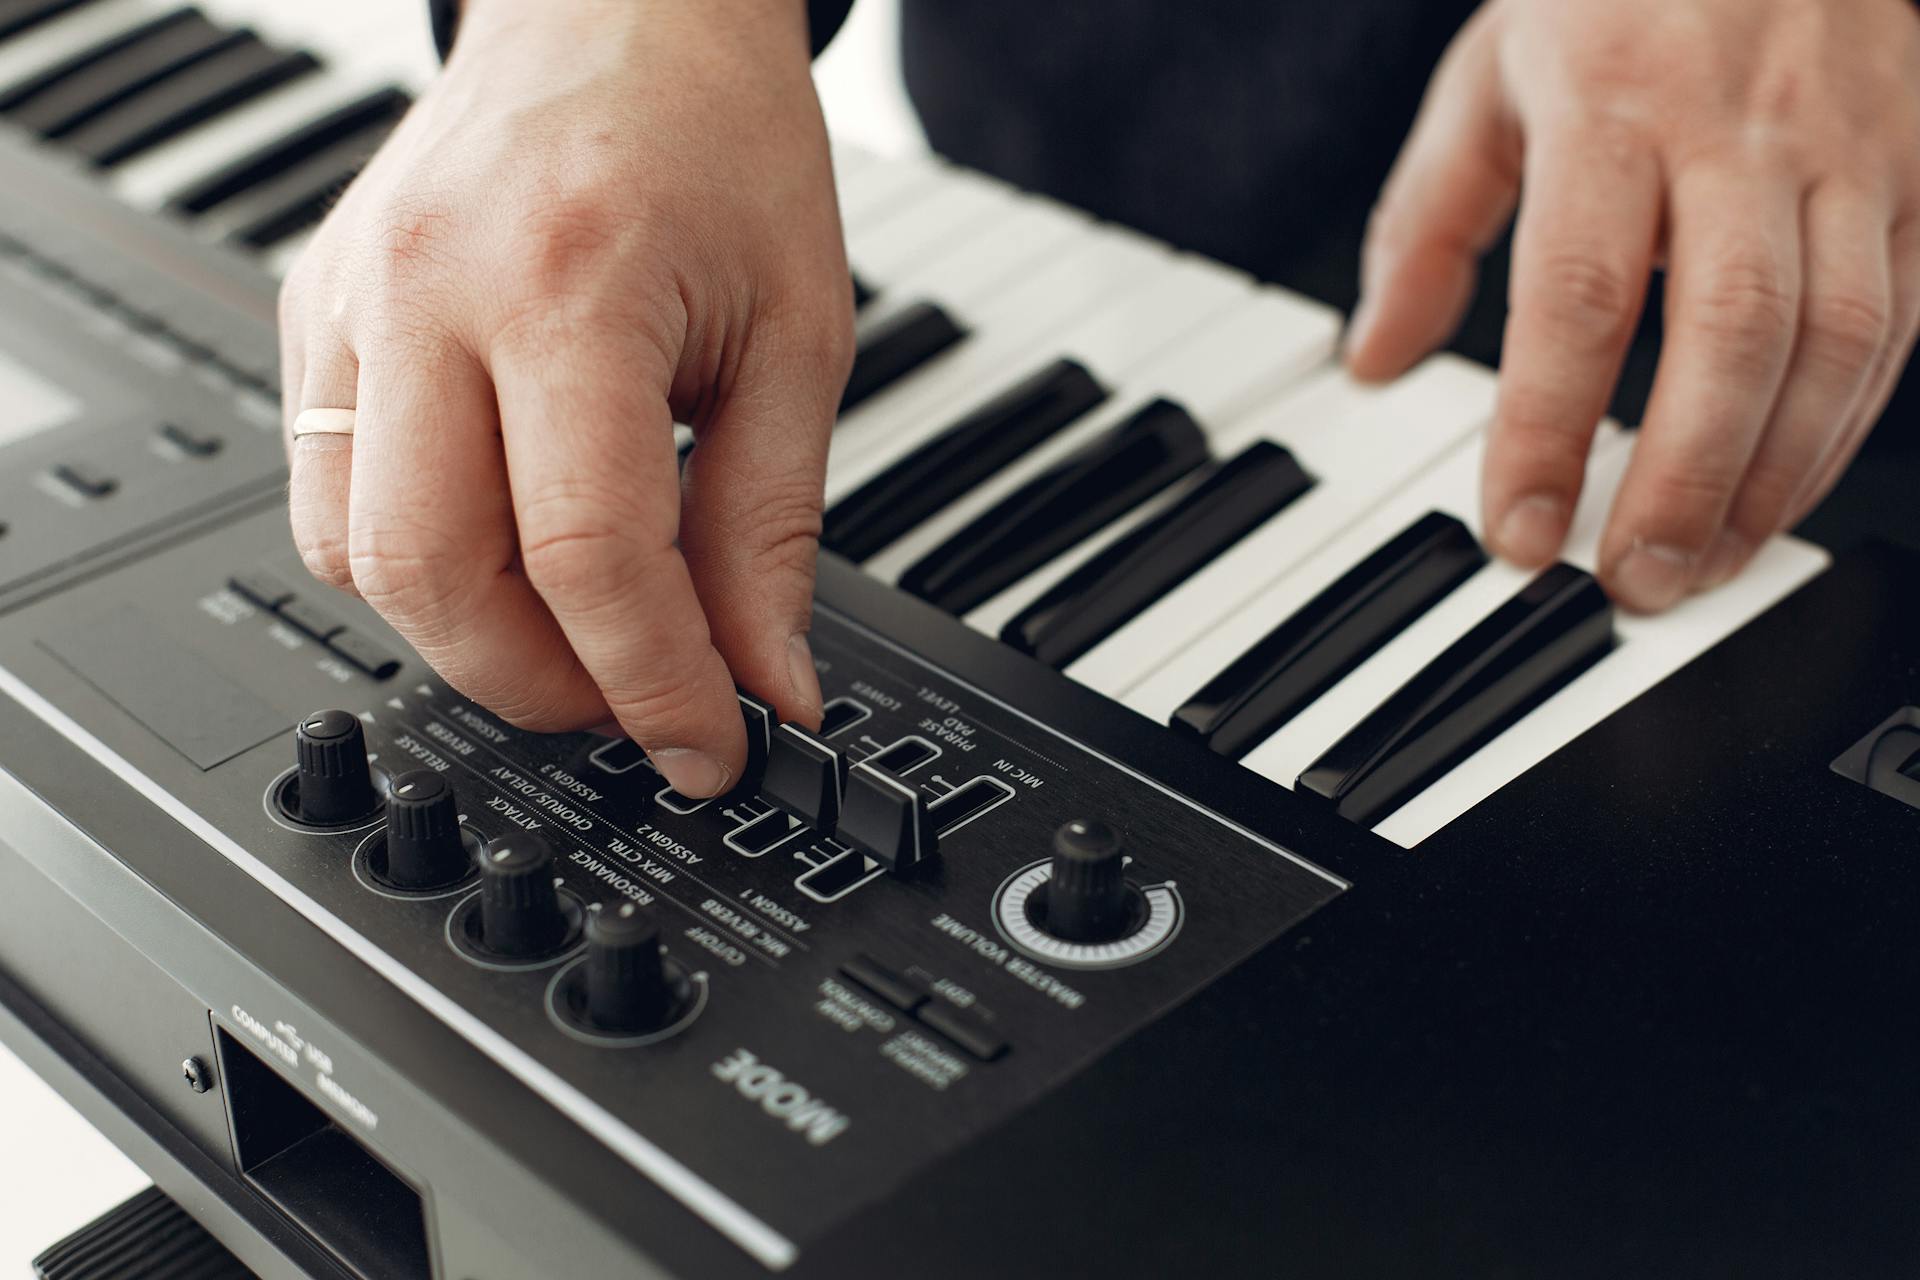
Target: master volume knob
<point>1087,897</point>
<point>425,848</point>
<point>333,781</point>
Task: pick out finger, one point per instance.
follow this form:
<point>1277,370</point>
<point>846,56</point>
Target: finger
<point>750,529</point>
<point>1583,252</point>
<point>1733,308</point>
<point>1845,327</point>
<point>1451,193</point>
<point>589,447</point>
<point>433,546</point>
<point>318,488</point>
<point>1904,252</point>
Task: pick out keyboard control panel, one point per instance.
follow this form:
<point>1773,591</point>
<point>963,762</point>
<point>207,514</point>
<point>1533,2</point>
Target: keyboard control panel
<point>910,922</point>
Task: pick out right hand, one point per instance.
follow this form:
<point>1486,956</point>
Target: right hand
<point>604,216</point>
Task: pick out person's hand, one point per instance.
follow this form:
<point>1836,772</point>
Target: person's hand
<point>1767,153</point>
<point>606,214</point>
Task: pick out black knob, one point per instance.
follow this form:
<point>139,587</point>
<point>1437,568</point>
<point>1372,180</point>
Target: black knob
<point>520,915</point>
<point>335,783</point>
<point>1087,896</point>
<point>425,848</point>
<point>628,990</point>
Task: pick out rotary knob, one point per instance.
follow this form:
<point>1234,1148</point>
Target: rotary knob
<point>628,988</point>
<point>520,913</point>
<point>333,783</point>
<point>1087,896</point>
<point>425,846</point>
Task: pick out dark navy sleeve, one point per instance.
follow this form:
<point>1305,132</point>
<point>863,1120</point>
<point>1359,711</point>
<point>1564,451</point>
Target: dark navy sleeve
<point>824,18</point>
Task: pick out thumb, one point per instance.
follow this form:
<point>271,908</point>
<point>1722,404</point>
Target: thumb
<point>1451,193</point>
<point>752,494</point>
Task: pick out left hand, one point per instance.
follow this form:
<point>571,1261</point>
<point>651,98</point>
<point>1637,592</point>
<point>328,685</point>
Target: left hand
<point>1767,153</point>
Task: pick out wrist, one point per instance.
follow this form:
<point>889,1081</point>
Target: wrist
<point>811,23</point>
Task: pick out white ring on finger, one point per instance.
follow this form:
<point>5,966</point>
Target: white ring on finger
<point>323,422</point>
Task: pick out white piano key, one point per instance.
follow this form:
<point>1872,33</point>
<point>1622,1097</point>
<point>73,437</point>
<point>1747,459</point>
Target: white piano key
<point>920,234</point>
<point>1650,649</point>
<point>361,33</point>
<point>52,42</point>
<point>1130,280</point>
<point>877,189</point>
<point>1361,444</point>
<point>976,261</point>
<point>1301,741</point>
<point>150,180</point>
<point>1218,372</point>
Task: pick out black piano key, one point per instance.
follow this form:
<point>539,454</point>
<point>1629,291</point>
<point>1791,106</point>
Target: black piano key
<point>1556,627</point>
<point>17,15</point>
<point>1330,635</point>
<point>300,195</point>
<point>925,481</point>
<point>174,106</point>
<point>1071,500</point>
<point>71,102</point>
<point>77,63</point>
<point>378,110</point>
<point>862,294</point>
<point>1115,586</point>
<point>898,347</point>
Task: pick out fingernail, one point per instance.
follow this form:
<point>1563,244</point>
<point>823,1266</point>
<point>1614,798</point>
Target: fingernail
<point>694,774</point>
<point>1532,530</point>
<point>1724,559</point>
<point>803,675</point>
<point>1649,579</point>
<point>611,729</point>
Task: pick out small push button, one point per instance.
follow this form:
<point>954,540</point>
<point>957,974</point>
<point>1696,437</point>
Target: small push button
<point>262,589</point>
<point>969,1032</point>
<point>311,620</point>
<point>193,444</point>
<point>805,776</point>
<point>364,654</point>
<point>901,992</point>
<point>85,480</point>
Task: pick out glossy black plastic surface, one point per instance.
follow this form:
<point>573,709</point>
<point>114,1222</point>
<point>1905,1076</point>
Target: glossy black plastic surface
<point>1555,627</point>
<point>1106,592</point>
<point>1330,635</point>
<point>960,457</point>
<point>896,348</point>
<point>1076,497</point>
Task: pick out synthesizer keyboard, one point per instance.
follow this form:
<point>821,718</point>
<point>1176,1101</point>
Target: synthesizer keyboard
<point>1212,860</point>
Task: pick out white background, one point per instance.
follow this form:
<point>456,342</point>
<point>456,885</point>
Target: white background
<point>56,1172</point>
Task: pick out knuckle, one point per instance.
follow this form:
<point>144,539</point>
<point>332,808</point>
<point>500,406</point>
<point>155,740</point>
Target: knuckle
<point>1538,431</point>
<point>325,557</point>
<point>577,543</point>
<point>412,577</point>
<point>1696,485</point>
<point>1585,296</point>
<point>1745,304</point>
<point>1846,331</point>
<point>665,710</point>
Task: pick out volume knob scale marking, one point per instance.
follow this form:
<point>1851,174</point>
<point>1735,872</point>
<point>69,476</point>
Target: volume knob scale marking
<point>1079,910</point>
